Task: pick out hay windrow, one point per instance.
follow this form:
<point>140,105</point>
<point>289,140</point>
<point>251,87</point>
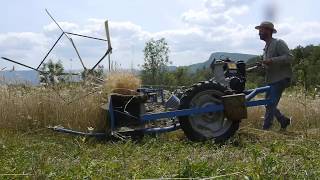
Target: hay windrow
<point>121,82</point>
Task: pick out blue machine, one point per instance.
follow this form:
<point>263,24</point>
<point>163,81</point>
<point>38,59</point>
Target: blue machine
<point>207,110</point>
<point>151,117</point>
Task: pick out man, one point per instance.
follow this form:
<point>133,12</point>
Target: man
<point>277,63</point>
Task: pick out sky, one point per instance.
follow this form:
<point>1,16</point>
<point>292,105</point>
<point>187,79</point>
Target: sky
<point>193,28</point>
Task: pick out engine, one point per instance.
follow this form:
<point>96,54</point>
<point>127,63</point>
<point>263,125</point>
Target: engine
<point>230,73</point>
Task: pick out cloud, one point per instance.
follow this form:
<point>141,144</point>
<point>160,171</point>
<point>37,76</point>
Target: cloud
<point>66,26</point>
<point>22,46</point>
<point>22,40</point>
<point>299,33</point>
<point>31,47</point>
<point>205,18</point>
<point>215,12</point>
<point>216,28</point>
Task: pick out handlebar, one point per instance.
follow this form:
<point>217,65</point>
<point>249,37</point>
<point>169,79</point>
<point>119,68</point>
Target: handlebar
<point>254,66</point>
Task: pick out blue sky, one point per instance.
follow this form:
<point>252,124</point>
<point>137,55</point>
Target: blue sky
<point>193,28</point>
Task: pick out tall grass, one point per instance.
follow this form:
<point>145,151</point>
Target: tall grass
<point>28,108</point>
<point>76,106</point>
<point>305,112</point>
<point>25,108</point>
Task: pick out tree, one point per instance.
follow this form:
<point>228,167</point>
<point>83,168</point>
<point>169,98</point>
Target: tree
<point>156,59</point>
<point>306,66</point>
<point>203,74</point>
<point>96,73</point>
<point>53,72</point>
<point>179,77</point>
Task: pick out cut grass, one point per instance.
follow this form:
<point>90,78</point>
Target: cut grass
<point>248,155</point>
<point>121,82</point>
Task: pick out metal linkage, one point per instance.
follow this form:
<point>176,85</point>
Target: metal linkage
<point>24,65</point>
<point>89,37</point>
<point>69,131</point>
<point>70,39</point>
<point>45,57</point>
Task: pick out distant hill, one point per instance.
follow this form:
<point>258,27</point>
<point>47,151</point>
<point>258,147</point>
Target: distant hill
<point>217,55</point>
<point>20,77</point>
<point>29,77</point>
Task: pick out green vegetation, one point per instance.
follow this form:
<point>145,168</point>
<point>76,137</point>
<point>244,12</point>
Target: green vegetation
<point>156,59</point>
<point>249,155</point>
<point>96,73</point>
<point>306,67</point>
<point>54,73</point>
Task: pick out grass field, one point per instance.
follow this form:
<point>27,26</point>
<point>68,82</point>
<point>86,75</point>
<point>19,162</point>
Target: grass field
<point>30,151</point>
<point>249,155</point>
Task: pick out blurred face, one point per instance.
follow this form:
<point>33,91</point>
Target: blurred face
<point>265,33</point>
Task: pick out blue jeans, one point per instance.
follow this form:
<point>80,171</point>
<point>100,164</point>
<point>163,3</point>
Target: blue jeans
<point>271,109</point>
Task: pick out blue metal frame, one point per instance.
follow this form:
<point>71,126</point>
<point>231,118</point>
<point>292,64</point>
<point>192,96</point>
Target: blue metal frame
<point>145,118</point>
<point>185,112</point>
<point>112,117</point>
<point>250,94</point>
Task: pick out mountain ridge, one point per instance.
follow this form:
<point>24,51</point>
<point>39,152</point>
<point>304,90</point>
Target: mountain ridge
<point>216,55</point>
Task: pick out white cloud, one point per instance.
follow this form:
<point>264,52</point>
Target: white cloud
<point>205,18</point>
<point>22,46</point>
<point>215,5</point>
<point>299,33</point>
<point>22,40</point>
<point>215,12</point>
<point>66,26</point>
<point>239,10</point>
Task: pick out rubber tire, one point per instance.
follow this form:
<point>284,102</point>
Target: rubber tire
<point>192,134</point>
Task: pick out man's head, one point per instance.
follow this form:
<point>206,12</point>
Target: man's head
<point>266,29</point>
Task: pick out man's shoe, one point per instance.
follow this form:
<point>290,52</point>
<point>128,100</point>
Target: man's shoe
<point>286,123</point>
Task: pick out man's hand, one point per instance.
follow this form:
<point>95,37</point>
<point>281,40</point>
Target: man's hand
<point>267,62</point>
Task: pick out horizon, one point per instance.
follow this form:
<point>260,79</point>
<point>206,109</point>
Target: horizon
<point>135,69</point>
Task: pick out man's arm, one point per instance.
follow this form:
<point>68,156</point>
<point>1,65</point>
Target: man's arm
<point>284,53</point>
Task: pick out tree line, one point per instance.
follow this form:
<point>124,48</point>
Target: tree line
<point>155,71</point>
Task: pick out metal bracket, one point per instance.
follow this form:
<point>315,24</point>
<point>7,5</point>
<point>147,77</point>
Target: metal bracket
<point>235,106</point>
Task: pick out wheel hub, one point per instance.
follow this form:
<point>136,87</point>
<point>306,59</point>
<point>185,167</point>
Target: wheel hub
<point>209,124</point>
